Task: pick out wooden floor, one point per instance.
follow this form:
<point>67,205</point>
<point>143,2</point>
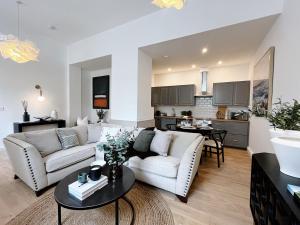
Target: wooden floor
<point>217,197</point>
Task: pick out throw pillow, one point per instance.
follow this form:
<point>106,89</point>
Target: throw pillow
<point>45,141</point>
<point>161,142</point>
<point>94,132</point>
<point>143,141</point>
<point>83,121</point>
<point>67,137</point>
<point>82,133</point>
<point>113,131</point>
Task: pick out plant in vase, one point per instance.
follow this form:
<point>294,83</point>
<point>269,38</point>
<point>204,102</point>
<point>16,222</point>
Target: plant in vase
<point>101,114</point>
<point>285,118</point>
<point>26,116</point>
<point>115,150</point>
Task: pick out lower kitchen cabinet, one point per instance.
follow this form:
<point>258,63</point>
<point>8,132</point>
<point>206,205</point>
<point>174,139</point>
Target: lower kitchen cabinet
<point>237,132</point>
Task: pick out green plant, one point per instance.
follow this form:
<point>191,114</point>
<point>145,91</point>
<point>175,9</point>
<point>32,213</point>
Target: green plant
<point>115,148</point>
<point>285,115</point>
<point>101,114</point>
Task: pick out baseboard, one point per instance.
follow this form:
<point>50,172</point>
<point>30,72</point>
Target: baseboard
<point>250,151</point>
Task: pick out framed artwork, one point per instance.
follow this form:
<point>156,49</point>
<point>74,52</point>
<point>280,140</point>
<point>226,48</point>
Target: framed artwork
<point>263,84</point>
<point>101,92</point>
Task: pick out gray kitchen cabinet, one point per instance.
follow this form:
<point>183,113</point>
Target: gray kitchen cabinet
<point>241,93</point>
<point>173,95</point>
<point>186,95</point>
<point>164,96</point>
<point>155,96</point>
<point>223,93</point>
<point>237,132</point>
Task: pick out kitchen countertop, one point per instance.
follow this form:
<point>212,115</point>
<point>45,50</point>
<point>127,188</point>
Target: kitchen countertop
<point>213,119</point>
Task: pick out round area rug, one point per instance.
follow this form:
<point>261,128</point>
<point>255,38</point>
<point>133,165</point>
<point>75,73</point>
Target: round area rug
<point>150,209</point>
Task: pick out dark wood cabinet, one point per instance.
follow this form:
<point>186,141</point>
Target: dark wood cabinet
<point>183,95</point>
<point>38,125</point>
<point>270,201</point>
<point>231,93</point>
<point>237,132</point>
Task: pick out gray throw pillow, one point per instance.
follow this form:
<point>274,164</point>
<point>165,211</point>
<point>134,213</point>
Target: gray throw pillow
<point>67,137</point>
<point>143,141</point>
<point>45,141</point>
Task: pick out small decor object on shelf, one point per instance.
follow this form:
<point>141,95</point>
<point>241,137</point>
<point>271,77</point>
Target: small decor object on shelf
<point>101,114</point>
<point>54,115</point>
<point>115,150</point>
<point>26,116</point>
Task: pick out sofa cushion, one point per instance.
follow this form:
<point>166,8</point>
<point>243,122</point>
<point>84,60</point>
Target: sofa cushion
<point>161,142</point>
<point>143,141</point>
<point>82,133</point>
<point>45,141</point>
<point>67,137</point>
<point>62,159</point>
<point>159,165</point>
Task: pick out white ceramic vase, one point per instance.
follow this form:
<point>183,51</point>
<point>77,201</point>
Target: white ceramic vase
<point>287,150</point>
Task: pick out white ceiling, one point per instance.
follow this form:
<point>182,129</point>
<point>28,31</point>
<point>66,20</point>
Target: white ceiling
<point>74,19</point>
<point>232,45</point>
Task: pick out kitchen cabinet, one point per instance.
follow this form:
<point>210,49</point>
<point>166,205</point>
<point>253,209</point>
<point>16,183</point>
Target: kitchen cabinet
<point>155,96</point>
<point>183,95</point>
<point>231,93</point>
<point>237,132</point>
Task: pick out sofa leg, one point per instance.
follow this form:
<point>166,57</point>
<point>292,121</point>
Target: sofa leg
<point>182,199</point>
<point>16,177</point>
<point>38,193</point>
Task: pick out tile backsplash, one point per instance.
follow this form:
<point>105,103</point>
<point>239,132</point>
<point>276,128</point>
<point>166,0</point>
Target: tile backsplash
<point>203,108</point>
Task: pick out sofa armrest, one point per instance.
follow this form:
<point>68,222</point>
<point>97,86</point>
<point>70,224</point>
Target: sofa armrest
<point>27,163</point>
<point>189,166</point>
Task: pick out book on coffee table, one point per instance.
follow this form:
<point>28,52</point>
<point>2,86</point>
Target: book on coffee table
<point>295,191</point>
<point>83,191</point>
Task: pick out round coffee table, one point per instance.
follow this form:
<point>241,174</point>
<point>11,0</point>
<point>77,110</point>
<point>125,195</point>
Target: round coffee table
<point>112,192</point>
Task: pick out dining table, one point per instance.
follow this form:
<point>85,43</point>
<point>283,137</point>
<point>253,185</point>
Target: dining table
<point>203,130</point>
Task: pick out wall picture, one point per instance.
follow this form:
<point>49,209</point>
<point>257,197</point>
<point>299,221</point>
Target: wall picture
<point>101,92</point>
<point>263,83</point>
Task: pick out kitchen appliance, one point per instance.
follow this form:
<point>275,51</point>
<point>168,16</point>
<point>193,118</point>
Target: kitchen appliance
<point>239,115</point>
<point>204,82</point>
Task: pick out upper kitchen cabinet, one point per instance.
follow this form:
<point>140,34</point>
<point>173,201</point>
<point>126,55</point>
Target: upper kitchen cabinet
<point>241,93</point>
<point>231,93</point>
<point>223,93</point>
<point>155,96</point>
<point>186,95</point>
<point>183,95</point>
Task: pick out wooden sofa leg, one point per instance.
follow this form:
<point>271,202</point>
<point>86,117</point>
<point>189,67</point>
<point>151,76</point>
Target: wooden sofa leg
<point>16,177</point>
<point>182,199</point>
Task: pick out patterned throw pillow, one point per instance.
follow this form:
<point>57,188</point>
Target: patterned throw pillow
<point>67,137</point>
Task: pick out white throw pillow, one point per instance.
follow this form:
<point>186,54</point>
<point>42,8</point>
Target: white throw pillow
<point>113,131</point>
<point>83,121</point>
<point>161,142</point>
<point>94,133</point>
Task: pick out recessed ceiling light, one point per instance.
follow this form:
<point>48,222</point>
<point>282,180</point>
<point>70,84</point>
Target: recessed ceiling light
<point>169,69</point>
<point>220,62</point>
<point>194,66</point>
<point>204,50</point>
<point>166,56</point>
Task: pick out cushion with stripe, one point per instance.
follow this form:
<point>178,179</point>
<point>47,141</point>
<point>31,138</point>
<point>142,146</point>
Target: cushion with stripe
<point>67,137</point>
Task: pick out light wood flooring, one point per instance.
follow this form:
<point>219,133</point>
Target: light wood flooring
<point>219,196</point>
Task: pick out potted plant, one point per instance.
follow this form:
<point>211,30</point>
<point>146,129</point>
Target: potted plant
<point>101,114</point>
<point>26,116</point>
<point>285,119</point>
<point>115,150</point>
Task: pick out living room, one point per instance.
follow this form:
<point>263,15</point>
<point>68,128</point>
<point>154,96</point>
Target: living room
<point>133,47</point>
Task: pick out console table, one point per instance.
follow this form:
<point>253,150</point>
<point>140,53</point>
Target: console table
<point>38,125</point>
<point>270,201</point>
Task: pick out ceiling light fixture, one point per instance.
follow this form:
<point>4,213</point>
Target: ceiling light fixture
<point>17,50</point>
<point>220,62</point>
<point>194,66</point>
<point>204,50</point>
<point>170,69</point>
<point>177,4</point>
<point>166,56</point>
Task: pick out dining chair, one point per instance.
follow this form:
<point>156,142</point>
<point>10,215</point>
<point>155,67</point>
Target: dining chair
<point>216,142</point>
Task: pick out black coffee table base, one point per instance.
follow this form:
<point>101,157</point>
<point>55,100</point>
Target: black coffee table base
<point>116,211</point>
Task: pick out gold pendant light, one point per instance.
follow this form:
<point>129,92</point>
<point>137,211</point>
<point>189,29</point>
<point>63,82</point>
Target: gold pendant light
<point>16,49</point>
<point>178,4</point>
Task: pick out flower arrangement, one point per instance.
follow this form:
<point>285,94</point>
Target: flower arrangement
<point>101,114</point>
<point>285,115</point>
<point>25,105</point>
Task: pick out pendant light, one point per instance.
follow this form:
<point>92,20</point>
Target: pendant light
<point>178,4</point>
<point>17,50</point>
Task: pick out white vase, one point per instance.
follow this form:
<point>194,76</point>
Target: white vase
<point>287,150</point>
<point>275,132</point>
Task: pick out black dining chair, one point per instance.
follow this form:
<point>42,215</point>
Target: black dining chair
<point>216,142</point>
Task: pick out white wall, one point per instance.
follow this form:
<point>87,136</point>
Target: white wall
<point>87,93</point>
<point>215,75</point>
<point>285,36</point>
<point>123,42</point>
<point>17,83</point>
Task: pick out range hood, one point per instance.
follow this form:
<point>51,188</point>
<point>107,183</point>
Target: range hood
<point>204,75</point>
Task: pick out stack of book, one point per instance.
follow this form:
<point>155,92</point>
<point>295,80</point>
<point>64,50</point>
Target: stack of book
<point>83,191</point>
<point>295,191</point>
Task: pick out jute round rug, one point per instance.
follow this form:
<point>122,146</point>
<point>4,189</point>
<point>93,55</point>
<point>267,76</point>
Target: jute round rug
<point>150,209</point>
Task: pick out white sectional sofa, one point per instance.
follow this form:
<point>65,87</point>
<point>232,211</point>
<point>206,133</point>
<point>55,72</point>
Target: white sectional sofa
<point>174,173</point>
